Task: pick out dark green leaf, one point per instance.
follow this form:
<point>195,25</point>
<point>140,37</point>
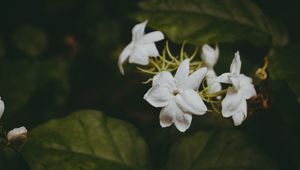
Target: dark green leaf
<point>217,150</point>
<point>11,159</point>
<point>211,21</point>
<point>86,140</point>
<point>284,65</point>
<point>280,142</point>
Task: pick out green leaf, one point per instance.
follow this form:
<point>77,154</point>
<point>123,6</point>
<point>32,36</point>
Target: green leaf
<point>217,150</point>
<point>86,140</point>
<point>284,65</point>
<point>211,21</point>
<point>11,159</point>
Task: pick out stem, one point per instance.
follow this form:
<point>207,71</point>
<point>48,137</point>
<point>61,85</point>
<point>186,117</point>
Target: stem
<point>219,93</point>
<point>182,51</point>
<point>155,65</point>
<point>195,52</point>
<point>147,71</point>
<point>170,54</point>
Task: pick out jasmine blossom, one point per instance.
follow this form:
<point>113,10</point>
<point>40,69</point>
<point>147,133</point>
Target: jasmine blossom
<point>177,96</point>
<point>141,47</point>
<point>234,104</point>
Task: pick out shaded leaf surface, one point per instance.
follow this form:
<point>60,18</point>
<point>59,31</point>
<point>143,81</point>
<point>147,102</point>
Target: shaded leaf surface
<point>217,150</point>
<point>277,128</point>
<point>284,65</point>
<point>86,140</point>
<point>211,21</point>
<point>11,159</point>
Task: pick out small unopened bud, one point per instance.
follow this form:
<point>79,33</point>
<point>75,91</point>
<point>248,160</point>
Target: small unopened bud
<point>17,136</point>
<point>1,107</point>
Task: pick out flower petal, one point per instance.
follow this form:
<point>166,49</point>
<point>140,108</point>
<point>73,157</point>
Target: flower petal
<point>168,114</point>
<point>123,56</point>
<point>158,96</point>
<point>209,55</point>
<point>238,119</point>
<point>214,86</point>
<point>247,87</point>
<point>138,31</point>
<point>241,115</point>
<point>210,76</point>
<point>235,67</point>
<point>2,107</point>
<point>182,121</point>
<point>164,78</point>
<point>139,55</point>
<point>151,50</point>
<point>224,78</point>
<point>235,81</point>
<point>182,73</point>
<point>152,37</point>
<point>190,102</point>
<point>249,92</point>
<point>232,101</point>
<point>195,79</point>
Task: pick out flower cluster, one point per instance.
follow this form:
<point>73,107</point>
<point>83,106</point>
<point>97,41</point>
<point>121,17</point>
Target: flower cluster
<point>194,85</point>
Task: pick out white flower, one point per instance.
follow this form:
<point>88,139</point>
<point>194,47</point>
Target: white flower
<point>17,134</point>
<point>2,107</point>
<point>210,57</point>
<point>177,95</point>
<point>234,104</point>
<point>141,47</point>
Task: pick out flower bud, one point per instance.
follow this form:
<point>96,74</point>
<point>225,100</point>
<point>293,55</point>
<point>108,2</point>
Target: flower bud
<point>17,136</point>
<point>1,107</point>
<point>209,55</point>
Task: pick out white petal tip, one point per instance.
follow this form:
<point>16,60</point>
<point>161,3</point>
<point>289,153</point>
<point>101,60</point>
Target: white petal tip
<point>161,36</point>
<point>121,69</point>
<point>226,114</point>
<point>164,125</point>
<point>206,47</point>
<point>182,127</point>
<point>237,55</point>
<point>181,130</point>
<point>203,112</point>
<point>145,22</point>
<point>186,61</point>
<point>237,123</point>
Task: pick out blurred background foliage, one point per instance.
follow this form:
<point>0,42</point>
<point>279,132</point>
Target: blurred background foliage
<point>59,56</point>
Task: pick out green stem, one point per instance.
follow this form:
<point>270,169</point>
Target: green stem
<point>155,65</point>
<point>219,93</point>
